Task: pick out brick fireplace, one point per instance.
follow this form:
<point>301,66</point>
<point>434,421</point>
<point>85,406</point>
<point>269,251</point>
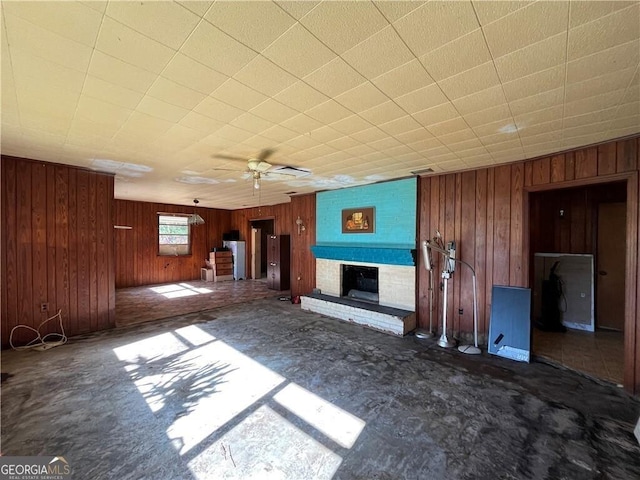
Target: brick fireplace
<point>394,311</point>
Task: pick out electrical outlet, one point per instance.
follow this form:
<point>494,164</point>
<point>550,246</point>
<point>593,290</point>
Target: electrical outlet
<point>460,311</point>
<point>44,307</point>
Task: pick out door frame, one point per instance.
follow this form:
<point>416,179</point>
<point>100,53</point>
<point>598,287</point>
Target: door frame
<point>631,380</point>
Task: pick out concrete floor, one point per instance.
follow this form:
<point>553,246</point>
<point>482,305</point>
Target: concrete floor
<point>262,390</point>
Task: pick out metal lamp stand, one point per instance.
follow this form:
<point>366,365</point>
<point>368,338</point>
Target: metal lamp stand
<point>421,332</point>
<point>444,341</point>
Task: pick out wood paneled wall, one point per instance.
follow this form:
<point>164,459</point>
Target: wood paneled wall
<point>57,246</point>
<point>136,250</point>
<point>486,212</point>
<point>303,263</point>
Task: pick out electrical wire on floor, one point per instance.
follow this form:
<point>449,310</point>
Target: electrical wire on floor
<point>41,342</point>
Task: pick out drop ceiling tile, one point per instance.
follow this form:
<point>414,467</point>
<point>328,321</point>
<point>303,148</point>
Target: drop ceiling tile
<point>97,5</point>
<point>165,22</point>
<point>274,111</point>
<point>379,53</point>
<point>102,113</point>
<point>302,142</point>
<point>620,27</point>
<point>252,123</point>
<point>343,143</point>
<point>334,78</point>
<point>302,123</point>
<point>175,94</point>
<point>410,137</point>
<point>491,11</point>
<point>201,123</point>
<point>539,116</point>
<point>234,134</point>
<point>438,114</point>
<point>301,97</point>
<point>298,52</point>
<point>449,126</point>
<point>533,58</point>
<point>369,135</point>
<point>145,125</point>
<point>542,138</point>
<point>178,138</point>
<point>457,56</point>
<point>499,131</point>
<point>490,115</point>
<point>351,124</point>
<point>157,108</point>
<point>189,73</point>
<point>74,21</point>
<point>384,144</point>
<point>279,133</point>
<point>264,76</point>
<point>467,148</point>
<point>255,24</point>
<point>199,7</point>
<point>403,80</point>
<point>457,137</point>
<point>540,128</point>
<point>548,99</point>
<point>383,113</point>
<point>593,104</point>
<point>362,97</point>
<point>111,93</point>
<point>435,24</point>
<point>422,99</point>
<point>214,108</point>
<point>535,83</point>
<point>124,43</point>
<point>297,9</point>
<point>466,83</point>
<point>360,150</point>
<point>399,125</point>
<point>328,112</point>
<point>27,37</point>
<point>589,129</point>
<point>238,95</point>
<point>599,85</point>
<point>341,25</point>
<point>112,70</point>
<point>480,100</point>
<point>585,12</point>
<point>217,50</point>
<point>394,10</point>
<point>325,134</point>
<point>630,109</point>
<point>620,57</point>
<point>528,25</point>
<point>592,117</point>
<point>631,122</point>
<point>509,145</point>
<point>42,73</point>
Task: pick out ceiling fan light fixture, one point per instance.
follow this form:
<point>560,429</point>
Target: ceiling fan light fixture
<point>256,182</point>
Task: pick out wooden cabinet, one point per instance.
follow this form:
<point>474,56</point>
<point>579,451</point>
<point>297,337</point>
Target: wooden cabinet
<point>278,262</point>
<point>222,265</point>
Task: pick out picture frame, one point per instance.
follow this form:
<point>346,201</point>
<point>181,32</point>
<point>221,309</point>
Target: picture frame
<point>358,220</point>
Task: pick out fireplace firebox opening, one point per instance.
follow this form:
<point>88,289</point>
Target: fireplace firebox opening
<point>360,283</point>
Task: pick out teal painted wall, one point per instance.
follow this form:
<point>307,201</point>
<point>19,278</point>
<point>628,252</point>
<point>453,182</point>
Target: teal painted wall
<point>395,214</point>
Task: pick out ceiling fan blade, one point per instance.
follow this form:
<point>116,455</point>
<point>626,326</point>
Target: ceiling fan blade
<point>266,153</point>
<point>230,157</point>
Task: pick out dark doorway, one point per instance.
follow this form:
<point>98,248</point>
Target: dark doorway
<point>585,220</point>
<point>265,227</point>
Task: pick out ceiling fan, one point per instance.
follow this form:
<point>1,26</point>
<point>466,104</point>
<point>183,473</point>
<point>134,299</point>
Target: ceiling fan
<point>258,167</point>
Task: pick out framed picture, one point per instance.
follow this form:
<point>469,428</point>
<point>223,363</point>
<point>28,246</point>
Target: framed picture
<point>358,220</point>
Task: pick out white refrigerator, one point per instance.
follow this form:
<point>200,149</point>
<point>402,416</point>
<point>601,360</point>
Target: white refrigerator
<point>239,255</point>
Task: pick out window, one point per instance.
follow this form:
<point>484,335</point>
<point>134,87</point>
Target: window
<point>173,234</point>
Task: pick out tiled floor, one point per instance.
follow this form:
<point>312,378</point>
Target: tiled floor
<point>600,354</point>
<point>153,302</point>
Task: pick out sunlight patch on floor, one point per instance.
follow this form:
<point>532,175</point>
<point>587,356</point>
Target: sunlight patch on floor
<point>179,290</point>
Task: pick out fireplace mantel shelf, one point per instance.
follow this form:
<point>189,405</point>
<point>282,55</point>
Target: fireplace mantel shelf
<point>366,254</point>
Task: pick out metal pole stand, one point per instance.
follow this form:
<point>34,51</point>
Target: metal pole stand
<point>444,341</point>
<point>421,332</point>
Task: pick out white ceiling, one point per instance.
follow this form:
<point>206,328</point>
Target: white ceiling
<point>356,92</point>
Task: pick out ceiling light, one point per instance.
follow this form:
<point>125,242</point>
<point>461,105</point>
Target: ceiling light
<point>195,219</point>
